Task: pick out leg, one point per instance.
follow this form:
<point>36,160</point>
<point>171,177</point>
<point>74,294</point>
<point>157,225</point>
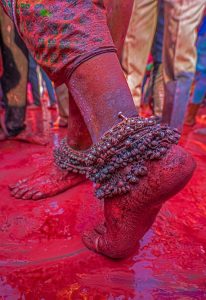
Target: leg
<point>50,180</point>
<point>14,80</point>
<point>33,79</point>
<point>200,77</point>
<point>112,95</point>
<point>62,95</point>
<point>118,17</point>
<point>138,44</point>
<point>198,97</point>
<point>158,92</point>
<point>179,56</point>
<point>14,83</point>
<point>50,88</point>
<point>157,84</point>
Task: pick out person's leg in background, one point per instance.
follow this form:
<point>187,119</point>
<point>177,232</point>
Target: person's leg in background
<point>50,88</point>
<point>118,18</point>
<point>179,56</point>
<point>138,44</point>
<point>34,81</point>
<point>157,76</point>
<point>197,98</point>
<point>14,80</point>
<point>199,92</point>
<point>62,95</point>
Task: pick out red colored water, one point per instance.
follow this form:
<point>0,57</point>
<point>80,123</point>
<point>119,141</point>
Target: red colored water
<point>41,253</point>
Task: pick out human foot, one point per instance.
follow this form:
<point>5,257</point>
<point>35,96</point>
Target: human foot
<point>138,171</point>
<point>28,137</point>
<point>47,182</point>
<point>128,217</point>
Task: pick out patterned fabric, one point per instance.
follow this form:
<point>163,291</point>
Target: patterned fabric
<point>7,6</point>
<point>61,34</point>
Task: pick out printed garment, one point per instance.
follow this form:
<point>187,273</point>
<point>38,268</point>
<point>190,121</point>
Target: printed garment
<point>61,34</point>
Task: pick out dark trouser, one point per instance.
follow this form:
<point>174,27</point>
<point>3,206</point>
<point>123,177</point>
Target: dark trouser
<point>14,80</point>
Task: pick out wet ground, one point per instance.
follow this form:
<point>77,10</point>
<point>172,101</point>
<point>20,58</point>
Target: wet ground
<point>41,253</point>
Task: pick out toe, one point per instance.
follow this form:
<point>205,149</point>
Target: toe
<point>38,196</point>
<point>29,195</point>
<point>21,192</point>
<point>15,191</point>
<point>90,239</point>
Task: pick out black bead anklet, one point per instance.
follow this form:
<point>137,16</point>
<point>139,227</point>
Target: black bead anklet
<point>129,145</point>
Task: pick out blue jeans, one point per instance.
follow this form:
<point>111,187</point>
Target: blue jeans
<point>200,88</point>
<point>200,76</point>
<point>33,79</point>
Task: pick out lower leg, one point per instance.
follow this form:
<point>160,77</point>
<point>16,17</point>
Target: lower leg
<point>62,95</point>
<point>179,60</point>
<point>78,136</point>
<point>33,79</point>
<point>14,80</point>
<point>197,99</point>
<point>137,46</point>
<point>57,180</point>
<point>101,92</point>
<point>49,87</point>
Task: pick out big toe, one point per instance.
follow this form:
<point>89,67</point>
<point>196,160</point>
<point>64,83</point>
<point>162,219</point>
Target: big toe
<point>90,239</point>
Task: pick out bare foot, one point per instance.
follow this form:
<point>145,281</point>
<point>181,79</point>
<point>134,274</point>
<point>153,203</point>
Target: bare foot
<point>45,183</point>
<point>27,137</point>
<point>128,217</point>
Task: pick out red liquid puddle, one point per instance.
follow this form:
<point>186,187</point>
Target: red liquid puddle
<point>42,256</point>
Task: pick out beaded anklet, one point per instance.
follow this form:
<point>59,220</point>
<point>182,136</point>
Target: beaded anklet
<point>128,145</point>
